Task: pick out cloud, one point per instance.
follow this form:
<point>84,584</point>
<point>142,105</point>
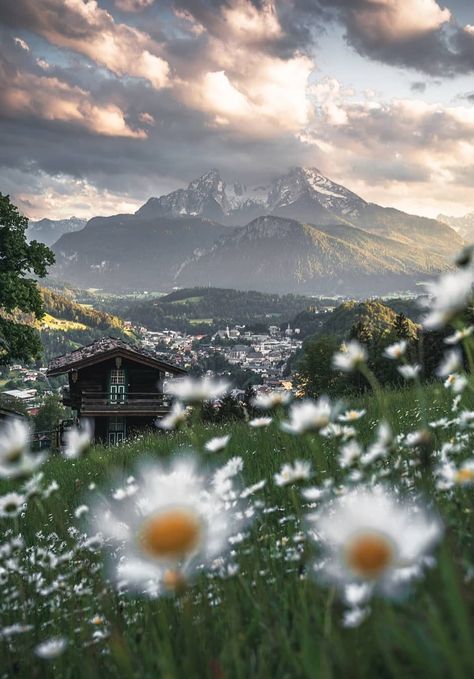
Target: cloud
<point>27,95</point>
<point>22,44</point>
<point>403,151</point>
<point>133,5</point>
<point>419,34</point>
<point>418,86</point>
<point>91,31</point>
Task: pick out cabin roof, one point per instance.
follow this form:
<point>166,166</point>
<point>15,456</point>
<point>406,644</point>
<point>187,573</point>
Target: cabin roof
<point>103,349</point>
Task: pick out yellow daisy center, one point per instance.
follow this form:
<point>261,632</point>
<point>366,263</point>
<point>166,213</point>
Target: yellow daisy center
<point>14,454</point>
<point>464,476</point>
<point>369,554</point>
<point>171,534</point>
<point>174,581</point>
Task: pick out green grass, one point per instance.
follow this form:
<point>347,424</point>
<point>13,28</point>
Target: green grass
<point>271,619</point>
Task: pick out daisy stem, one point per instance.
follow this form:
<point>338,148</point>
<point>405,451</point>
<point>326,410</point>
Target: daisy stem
<point>328,612</point>
<point>376,388</point>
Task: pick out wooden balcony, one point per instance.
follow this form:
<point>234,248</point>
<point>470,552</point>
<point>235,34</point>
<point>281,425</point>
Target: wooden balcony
<point>96,403</point>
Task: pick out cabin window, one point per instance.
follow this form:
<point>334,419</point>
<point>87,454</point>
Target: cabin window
<point>117,386</point>
<point>117,377</point>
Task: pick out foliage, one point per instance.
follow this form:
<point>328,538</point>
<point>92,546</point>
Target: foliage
<point>50,413</point>
<point>19,260</point>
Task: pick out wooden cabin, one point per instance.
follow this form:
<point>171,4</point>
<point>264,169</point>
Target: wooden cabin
<point>115,384</point>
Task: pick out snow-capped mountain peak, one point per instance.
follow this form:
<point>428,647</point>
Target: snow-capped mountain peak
<point>210,196</point>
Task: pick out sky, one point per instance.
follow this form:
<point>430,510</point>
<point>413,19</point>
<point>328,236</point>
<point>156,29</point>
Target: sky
<point>104,103</point>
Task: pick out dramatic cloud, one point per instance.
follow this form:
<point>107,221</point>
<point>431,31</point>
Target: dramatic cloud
<point>419,34</point>
<point>133,5</point>
<point>89,30</point>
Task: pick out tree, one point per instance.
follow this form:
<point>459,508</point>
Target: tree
<point>50,413</point>
<point>19,293</point>
<point>314,372</point>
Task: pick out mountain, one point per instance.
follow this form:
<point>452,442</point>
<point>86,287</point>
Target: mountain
<point>463,225</point>
<point>300,233</point>
<point>278,254</point>
<point>127,252</point>
<point>306,195</point>
<point>48,231</point>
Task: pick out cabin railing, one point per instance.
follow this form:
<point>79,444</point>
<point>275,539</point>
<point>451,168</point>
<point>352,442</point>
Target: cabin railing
<point>131,402</point>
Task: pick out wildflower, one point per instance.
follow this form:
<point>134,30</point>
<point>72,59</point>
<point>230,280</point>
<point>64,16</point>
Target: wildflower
<point>299,471</point>
<point>396,350</point>
<point>460,335</point>
<point>334,431</point>
<point>451,363</point>
<point>352,415</point>
<point>52,648</point>
<point>456,382</point>
<point>382,445</point>
<point>308,415</point>
<point>450,294</point>
<point>260,422</point>
<point>409,372</point>
<point>370,536</point>
<point>177,522</point>
<point>450,475</point>
<point>11,504</point>
<point>351,356</point>
<point>82,509</point>
<point>78,440</point>
<point>190,390</point>
<point>177,416</point>
<point>16,459</point>
<point>349,453</point>
<point>217,443</point>
<point>271,400</point>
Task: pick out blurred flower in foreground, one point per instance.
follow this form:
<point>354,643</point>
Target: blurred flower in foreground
<point>308,415</point>
<point>451,363</point>
<point>177,521</point>
<point>460,335</point>
<point>371,536</point>
<point>191,390</point>
<point>449,475</point>
<point>217,443</point>
<point>16,458</point>
<point>396,351</point>
<point>300,470</point>
<point>177,416</point>
<point>78,440</point>
<point>449,295</point>
<point>351,356</point>
<point>51,649</point>
<point>11,504</point>
<point>260,422</point>
<point>271,400</point>
<point>409,372</point>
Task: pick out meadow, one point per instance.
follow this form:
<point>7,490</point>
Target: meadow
<point>268,614</point>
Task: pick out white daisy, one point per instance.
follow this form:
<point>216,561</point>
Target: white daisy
<point>271,400</point>
<point>12,504</point>
<point>308,415</point>
<point>449,475</point>
<point>178,521</point>
<point>260,422</point>
<point>300,470</point>
<point>456,382</point>
<point>351,415</point>
<point>177,416</point>
<point>16,459</point>
<point>372,536</point>
<point>78,440</point>
<point>349,453</point>
<point>350,357</point>
<point>449,295</point>
<point>460,335</point>
<point>217,443</point>
<point>451,363</point>
<point>396,351</point>
<point>52,648</point>
<point>409,372</point>
<point>190,390</point>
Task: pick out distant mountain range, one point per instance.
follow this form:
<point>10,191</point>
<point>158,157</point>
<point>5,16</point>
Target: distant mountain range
<point>463,225</point>
<point>302,233</point>
<point>49,230</point>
